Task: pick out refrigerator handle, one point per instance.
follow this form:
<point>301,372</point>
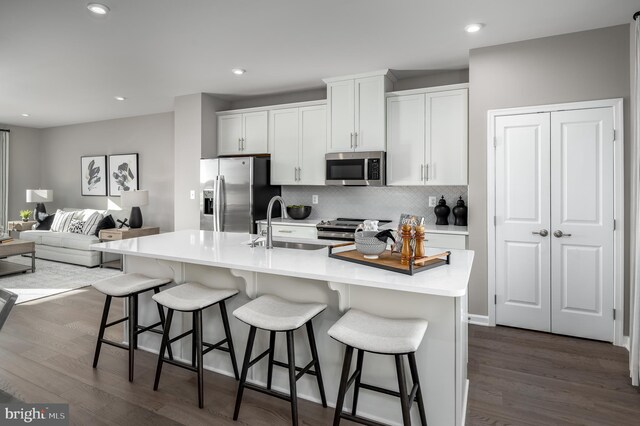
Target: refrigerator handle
<point>221,203</point>
<point>215,205</point>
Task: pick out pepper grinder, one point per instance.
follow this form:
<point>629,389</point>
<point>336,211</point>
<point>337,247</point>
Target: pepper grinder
<point>419,252</point>
<point>442,211</point>
<point>460,213</point>
<point>405,254</point>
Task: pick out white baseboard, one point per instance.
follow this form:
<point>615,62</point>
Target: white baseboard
<point>478,319</point>
<point>626,343</point>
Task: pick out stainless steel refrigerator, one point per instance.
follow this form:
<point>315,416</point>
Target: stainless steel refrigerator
<point>235,192</point>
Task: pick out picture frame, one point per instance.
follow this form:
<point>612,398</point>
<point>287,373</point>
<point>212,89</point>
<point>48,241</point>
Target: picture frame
<point>93,175</point>
<point>123,173</point>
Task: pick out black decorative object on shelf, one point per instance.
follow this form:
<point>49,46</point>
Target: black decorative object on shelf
<point>442,211</point>
<point>460,213</point>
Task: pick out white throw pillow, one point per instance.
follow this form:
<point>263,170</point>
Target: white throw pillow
<point>91,223</point>
<point>61,221</point>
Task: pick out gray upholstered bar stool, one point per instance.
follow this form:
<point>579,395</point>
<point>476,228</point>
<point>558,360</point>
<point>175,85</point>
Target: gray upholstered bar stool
<point>275,315</point>
<point>129,286</point>
<point>371,333</point>
<point>194,297</point>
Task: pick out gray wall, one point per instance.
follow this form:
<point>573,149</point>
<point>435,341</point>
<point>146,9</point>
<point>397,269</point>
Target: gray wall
<point>151,136</point>
<point>574,67</point>
<point>24,167</point>
<point>432,79</point>
<point>279,98</point>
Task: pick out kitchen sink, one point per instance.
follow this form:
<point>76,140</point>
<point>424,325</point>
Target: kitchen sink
<point>292,245</point>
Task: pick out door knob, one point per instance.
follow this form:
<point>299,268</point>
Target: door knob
<point>560,234</point>
<point>542,232</point>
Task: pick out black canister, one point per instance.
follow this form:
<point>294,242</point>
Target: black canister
<point>460,213</point>
<point>442,211</point>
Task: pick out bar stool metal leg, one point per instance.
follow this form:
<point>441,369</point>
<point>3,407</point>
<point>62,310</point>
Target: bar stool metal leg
<point>198,333</point>
<point>135,320</point>
<point>344,378</point>
<point>356,385</point>
<point>227,332</point>
<point>416,381</point>
<point>163,320</point>
<point>404,397</point>
<point>291,358</point>
<point>103,323</point>
<point>163,346</point>
<point>132,333</point>
<point>316,362</point>
<point>245,368</point>
<point>193,340</point>
<point>272,347</point>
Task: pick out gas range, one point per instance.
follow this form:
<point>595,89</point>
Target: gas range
<point>341,229</point>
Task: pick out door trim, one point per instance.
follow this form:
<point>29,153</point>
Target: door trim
<point>618,214</point>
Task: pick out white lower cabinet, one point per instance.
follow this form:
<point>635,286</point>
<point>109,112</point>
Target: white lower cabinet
<point>291,231</point>
<point>297,142</point>
<point>449,241</point>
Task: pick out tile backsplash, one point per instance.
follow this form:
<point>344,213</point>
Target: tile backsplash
<point>386,202</point>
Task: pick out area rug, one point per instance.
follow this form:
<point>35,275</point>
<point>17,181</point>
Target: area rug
<point>51,278</point>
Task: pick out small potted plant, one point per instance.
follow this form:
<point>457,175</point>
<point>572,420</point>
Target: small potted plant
<point>25,214</point>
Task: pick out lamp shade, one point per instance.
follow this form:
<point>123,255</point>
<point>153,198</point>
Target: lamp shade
<point>39,195</point>
<point>135,198</point>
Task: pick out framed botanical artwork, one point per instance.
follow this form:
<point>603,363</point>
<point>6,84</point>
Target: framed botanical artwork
<point>93,175</point>
<point>123,173</point>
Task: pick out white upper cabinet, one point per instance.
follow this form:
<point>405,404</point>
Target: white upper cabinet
<point>243,133</point>
<point>446,138</point>
<point>356,112</point>
<point>297,142</point>
<point>427,136</point>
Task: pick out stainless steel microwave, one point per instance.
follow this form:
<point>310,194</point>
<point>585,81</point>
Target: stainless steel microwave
<point>355,168</point>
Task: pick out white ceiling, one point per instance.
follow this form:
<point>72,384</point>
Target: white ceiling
<point>63,65</point>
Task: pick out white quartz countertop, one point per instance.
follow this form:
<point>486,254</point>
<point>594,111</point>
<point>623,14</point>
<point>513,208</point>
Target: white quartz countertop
<point>230,250</point>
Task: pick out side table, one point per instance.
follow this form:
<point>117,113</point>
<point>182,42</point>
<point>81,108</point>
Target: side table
<point>16,226</point>
<point>115,234</point>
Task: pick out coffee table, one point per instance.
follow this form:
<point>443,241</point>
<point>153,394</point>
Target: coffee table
<point>15,248</point>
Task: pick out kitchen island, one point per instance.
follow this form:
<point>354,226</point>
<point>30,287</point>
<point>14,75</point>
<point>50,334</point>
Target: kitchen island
<point>225,260</point>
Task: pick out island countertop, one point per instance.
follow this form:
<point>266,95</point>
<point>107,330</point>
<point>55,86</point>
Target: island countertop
<point>230,250</point>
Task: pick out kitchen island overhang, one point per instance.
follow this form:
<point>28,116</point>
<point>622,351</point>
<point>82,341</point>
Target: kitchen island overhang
<point>225,260</point>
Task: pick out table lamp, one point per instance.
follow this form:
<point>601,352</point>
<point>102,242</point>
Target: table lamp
<point>135,199</point>
<point>39,196</point>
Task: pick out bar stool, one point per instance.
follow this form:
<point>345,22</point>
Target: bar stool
<point>129,286</point>
<point>370,333</point>
<point>274,314</point>
<point>194,297</point>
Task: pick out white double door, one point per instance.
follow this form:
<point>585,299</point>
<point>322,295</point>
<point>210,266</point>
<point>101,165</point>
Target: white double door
<point>555,222</point>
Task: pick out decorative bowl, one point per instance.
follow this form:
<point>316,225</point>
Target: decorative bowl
<point>368,245</point>
<point>298,212</point>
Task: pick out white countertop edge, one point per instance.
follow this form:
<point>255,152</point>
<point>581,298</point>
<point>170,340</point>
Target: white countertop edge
<point>311,223</point>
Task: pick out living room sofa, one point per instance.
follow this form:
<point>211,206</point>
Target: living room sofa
<point>66,247</point>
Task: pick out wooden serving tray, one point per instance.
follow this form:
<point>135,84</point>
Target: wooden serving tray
<point>391,261</point>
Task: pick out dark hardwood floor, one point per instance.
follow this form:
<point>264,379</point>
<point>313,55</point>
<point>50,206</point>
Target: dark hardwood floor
<point>517,377</point>
<point>521,377</point>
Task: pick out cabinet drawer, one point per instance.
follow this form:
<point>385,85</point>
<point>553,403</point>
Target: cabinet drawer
<point>294,231</point>
<point>110,235</point>
<point>446,241</point>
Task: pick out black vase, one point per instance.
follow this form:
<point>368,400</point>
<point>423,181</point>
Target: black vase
<point>442,211</point>
<point>460,213</point>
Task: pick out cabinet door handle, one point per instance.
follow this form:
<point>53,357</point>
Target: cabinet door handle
<point>244,145</point>
<point>239,144</point>
<point>421,172</point>
<point>351,140</point>
<point>284,231</point>
<point>299,174</point>
<point>356,139</point>
<point>560,234</point>
<point>426,175</point>
<point>542,232</point>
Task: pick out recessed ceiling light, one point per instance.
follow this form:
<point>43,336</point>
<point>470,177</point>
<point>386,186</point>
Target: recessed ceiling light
<point>473,28</point>
<point>98,9</point>
<point>238,71</point>
<point>120,98</point>
<point>25,115</point>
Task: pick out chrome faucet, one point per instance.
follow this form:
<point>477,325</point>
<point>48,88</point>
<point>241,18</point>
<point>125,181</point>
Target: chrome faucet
<point>269,244</point>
